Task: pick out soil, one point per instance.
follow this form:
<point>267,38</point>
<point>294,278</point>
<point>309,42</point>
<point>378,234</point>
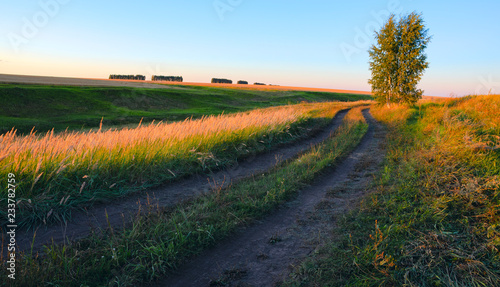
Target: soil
<point>101,216</point>
<point>265,253</point>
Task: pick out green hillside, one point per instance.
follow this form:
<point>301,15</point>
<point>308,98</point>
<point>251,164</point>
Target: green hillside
<point>61,107</point>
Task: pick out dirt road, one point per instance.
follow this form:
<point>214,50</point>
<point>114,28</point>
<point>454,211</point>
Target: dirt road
<point>265,253</point>
<point>94,218</point>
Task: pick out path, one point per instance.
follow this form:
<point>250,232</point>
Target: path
<point>263,254</point>
<point>82,223</point>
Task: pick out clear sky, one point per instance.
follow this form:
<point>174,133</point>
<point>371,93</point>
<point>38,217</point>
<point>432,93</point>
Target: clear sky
<point>286,42</point>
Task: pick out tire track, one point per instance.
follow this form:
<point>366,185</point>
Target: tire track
<point>82,223</point>
<point>265,253</point>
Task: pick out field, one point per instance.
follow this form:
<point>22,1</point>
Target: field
<point>82,108</point>
<point>59,81</point>
<point>219,186</point>
<point>73,169</point>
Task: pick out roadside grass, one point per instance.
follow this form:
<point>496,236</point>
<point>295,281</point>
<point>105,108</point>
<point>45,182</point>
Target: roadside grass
<point>433,218</point>
<point>58,172</point>
<point>160,239</point>
<point>76,108</point>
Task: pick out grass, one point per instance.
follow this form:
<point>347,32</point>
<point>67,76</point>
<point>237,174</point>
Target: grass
<point>61,107</point>
<point>159,239</point>
<point>433,218</point>
<point>58,172</point>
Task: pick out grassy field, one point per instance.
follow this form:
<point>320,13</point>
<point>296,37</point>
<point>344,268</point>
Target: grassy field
<point>61,107</point>
<point>159,239</point>
<point>60,172</point>
<point>85,166</point>
<point>434,216</point>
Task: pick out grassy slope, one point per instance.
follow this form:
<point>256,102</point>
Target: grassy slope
<point>156,242</point>
<point>434,220</point>
<point>59,107</point>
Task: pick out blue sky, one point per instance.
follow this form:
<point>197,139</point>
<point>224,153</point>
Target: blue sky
<point>287,42</point>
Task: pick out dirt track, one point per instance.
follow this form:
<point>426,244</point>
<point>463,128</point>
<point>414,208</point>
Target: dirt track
<point>95,218</point>
<point>265,253</point>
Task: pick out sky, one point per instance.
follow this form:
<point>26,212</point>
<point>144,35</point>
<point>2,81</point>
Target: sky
<point>310,43</point>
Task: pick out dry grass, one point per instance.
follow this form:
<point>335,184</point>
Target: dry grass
<point>394,114</point>
<point>355,115</point>
<point>434,218</point>
<point>157,241</point>
<point>482,108</point>
<point>88,166</point>
<point>453,240</point>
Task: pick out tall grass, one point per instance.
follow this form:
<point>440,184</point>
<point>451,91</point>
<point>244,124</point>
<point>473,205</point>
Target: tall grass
<point>73,168</point>
<point>481,108</point>
<point>434,218</point>
<point>160,239</point>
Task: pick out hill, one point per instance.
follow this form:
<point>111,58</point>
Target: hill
<point>75,107</point>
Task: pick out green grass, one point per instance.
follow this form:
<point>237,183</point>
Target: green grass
<point>433,217</point>
<point>62,107</point>
<point>59,173</point>
<point>160,239</point>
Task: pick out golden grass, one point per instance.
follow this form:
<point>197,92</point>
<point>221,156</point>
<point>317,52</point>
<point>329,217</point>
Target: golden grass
<point>393,115</point>
<point>483,108</point>
<point>174,235</point>
<point>444,158</point>
<point>355,115</point>
<point>132,154</point>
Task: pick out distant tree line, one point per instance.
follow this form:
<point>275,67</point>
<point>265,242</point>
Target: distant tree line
<point>221,81</point>
<point>167,78</point>
<point>259,84</point>
<point>127,77</point>
<point>242,82</point>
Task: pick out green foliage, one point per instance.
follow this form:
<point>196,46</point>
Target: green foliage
<point>398,61</point>
<point>127,77</point>
<point>221,81</point>
<point>167,78</point>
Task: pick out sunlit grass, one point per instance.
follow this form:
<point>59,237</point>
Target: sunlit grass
<point>482,108</point>
<point>159,239</point>
<point>71,168</point>
<point>434,215</point>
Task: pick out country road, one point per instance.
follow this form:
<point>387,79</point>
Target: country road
<point>265,253</point>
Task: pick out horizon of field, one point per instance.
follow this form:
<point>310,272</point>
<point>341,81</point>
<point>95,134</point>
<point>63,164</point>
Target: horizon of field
<point>49,80</point>
<point>63,106</point>
<point>102,82</point>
